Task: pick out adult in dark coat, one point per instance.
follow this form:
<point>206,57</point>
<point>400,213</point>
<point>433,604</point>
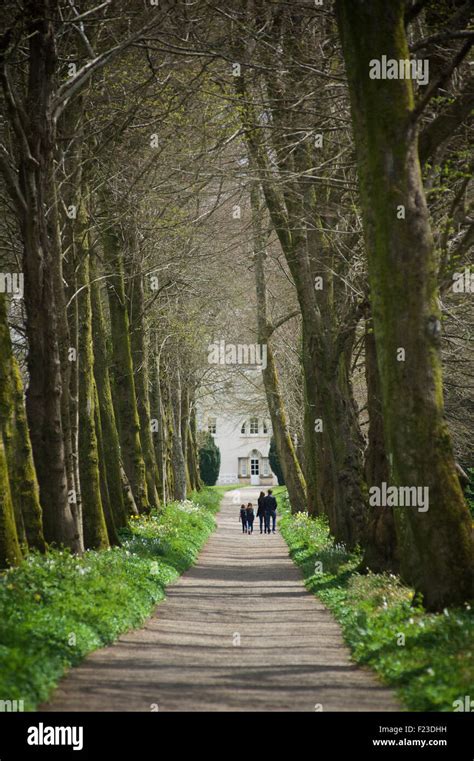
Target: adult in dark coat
<point>261,510</point>
<point>270,508</point>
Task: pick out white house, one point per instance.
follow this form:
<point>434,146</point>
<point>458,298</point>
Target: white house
<point>237,417</point>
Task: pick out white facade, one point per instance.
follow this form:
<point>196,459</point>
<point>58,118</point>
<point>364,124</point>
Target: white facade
<point>242,430</point>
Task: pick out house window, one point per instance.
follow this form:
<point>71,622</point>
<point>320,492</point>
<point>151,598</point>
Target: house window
<point>212,425</point>
<point>243,467</point>
<point>265,466</point>
<point>265,426</point>
<point>253,425</point>
<point>244,427</point>
<point>254,466</point>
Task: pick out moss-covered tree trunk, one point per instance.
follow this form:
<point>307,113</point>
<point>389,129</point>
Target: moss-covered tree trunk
<point>67,340</point>
<point>95,529</point>
<point>193,457</point>
<point>339,454</point>
<point>293,209</point>
<point>125,398</point>
<point>178,461</point>
<point>10,551</point>
<point>185,411</point>
<point>404,297</point>
<point>26,490</point>
<point>167,423</point>
<point>380,543</point>
<point>36,180</point>
<point>70,162</point>
<point>8,431</point>
<point>292,473</point>
<point>138,328</point>
<point>128,498</point>
<point>313,446</point>
<point>157,414</point>
<point>121,507</point>
<point>104,486</point>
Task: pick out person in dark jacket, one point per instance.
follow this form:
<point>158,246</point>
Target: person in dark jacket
<point>250,517</point>
<point>261,511</point>
<point>270,507</point>
<point>243,518</point>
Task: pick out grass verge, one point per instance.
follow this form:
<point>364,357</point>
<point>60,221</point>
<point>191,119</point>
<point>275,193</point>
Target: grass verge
<point>428,658</point>
<point>55,609</point>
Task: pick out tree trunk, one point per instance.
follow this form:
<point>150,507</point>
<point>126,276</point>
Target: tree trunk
<point>339,455</point>
<point>157,417</point>
<point>27,490</point>
<point>178,462</point>
<point>69,370</point>
<point>110,439</point>
<point>104,487</point>
<point>193,457</point>
<point>95,530</point>
<point>290,466</point>
<point>124,382</point>
<point>380,543</point>
<point>404,296</point>
<point>185,405</point>
<point>140,364</point>
<point>70,161</point>
<point>325,449</point>
<point>36,178</point>
<point>10,552</point>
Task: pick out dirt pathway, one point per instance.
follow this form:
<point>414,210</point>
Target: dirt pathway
<point>187,657</point>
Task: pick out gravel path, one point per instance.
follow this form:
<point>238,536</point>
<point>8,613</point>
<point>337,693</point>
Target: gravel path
<point>237,632</point>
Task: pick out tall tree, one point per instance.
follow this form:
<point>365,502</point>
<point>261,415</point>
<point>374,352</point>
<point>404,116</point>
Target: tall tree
<point>333,441</point>
<point>95,530</point>
<point>114,472</point>
<point>123,371</point>
<point>288,459</point>
<point>404,295</point>
<point>138,336</point>
<point>10,551</point>
<point>23,482</point>
<point>32,187</point>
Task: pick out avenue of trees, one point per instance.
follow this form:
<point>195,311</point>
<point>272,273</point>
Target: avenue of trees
<point>175,173</point>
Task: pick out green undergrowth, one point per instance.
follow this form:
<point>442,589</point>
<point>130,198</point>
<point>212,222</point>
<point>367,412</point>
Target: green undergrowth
<point>427,658</point>
<point>55,609</point>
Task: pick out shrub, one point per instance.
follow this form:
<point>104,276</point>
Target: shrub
<point>209,460</point>
<point>275,462</point>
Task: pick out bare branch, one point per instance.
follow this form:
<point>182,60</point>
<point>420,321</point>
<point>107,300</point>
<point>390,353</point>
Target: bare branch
<point>446,74</point>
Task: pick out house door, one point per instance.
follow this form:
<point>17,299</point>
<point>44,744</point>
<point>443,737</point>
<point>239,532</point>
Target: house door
<point>254,471</point>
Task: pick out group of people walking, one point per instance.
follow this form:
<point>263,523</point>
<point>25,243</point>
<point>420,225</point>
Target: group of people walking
<point>266,513</point>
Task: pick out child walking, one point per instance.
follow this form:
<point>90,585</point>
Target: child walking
<point>250,517</point>
<point>243,518</point>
